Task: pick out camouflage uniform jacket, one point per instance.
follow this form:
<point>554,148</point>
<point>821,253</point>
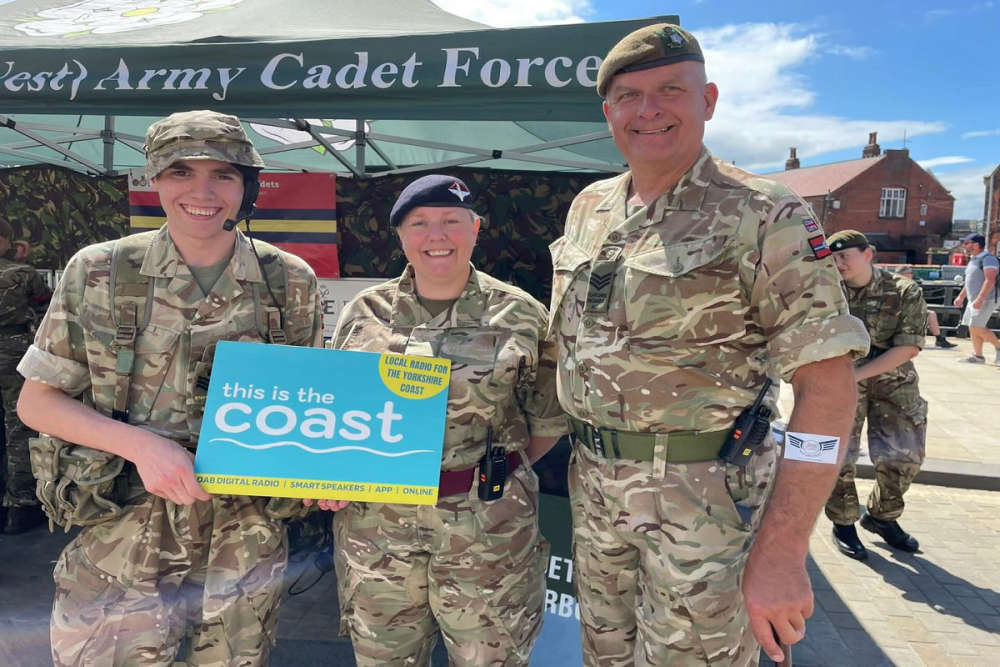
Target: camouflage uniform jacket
<point>23,294</point>
<point>73,349</point>
<point>692,300</point>
<point>502,368</point>
<point>893,311</point>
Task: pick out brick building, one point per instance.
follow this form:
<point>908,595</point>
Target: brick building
<point>991,207</point>
<point>899,205</point>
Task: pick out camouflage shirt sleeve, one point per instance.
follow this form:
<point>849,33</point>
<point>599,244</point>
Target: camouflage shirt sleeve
<point>536,393</point>
<point>58,356</point>
<point>304,304</point>
<point>913,315</point>
<point>796,294</point>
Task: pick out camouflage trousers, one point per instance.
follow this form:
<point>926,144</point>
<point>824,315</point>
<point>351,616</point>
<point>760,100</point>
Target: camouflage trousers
<point>658,558</point>
<point>897,438</point>
<point>131,590</point>
<point>475,569</point>
<point>16,482</point>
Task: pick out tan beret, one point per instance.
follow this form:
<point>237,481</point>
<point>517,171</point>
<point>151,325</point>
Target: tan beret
<point>648,47</point>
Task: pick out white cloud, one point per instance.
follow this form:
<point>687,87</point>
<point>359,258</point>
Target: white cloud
<point>966,185</point>
<point>855,52</point>
<point>981,133</point>
<point>766,104</point>
<point>510,13</point>
<point>943,160</point>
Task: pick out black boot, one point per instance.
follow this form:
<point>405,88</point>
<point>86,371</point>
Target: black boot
<point>890,531</point>
<point>847,540</point>
<point>21,519</point>
<point>943,342</point>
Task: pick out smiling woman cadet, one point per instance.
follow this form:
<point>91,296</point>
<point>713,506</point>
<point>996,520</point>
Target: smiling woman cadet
<point>473,568</point>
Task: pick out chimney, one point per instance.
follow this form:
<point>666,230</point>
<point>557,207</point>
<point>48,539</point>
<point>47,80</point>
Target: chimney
<point>872,149</point>
<point>792,162</point>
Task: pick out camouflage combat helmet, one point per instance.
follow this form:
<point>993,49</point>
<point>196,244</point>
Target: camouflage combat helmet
<point>198,135</point>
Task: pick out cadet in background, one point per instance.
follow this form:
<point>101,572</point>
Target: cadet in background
<point>894,313</point>
<point>23,299</point>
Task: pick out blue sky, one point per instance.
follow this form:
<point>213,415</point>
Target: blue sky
<point>821,77</point>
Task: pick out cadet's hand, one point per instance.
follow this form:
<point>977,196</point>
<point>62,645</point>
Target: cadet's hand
<point>778,595</point>
<point>979,303</point>
<point>167,470</point>
<point>959,300</point>
<point>332,505</point>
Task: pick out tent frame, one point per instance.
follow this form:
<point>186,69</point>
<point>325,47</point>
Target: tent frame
<point>67,135</point>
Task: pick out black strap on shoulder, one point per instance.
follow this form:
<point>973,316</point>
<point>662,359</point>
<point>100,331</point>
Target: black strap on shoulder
<point>131,294</point>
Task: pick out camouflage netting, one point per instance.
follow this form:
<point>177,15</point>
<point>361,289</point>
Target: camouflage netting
<point>60,211</point>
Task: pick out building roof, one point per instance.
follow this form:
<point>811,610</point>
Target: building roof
<point>817,181</point>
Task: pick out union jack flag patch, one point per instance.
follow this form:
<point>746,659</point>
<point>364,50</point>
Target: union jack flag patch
<point>819,247</point>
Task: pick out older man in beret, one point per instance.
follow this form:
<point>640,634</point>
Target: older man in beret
<point>680,287</point>
<point>894,312</point>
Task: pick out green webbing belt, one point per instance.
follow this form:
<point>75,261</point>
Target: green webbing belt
<point>682,446</point>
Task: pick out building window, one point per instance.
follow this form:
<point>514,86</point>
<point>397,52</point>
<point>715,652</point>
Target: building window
<point>893,204</point>
<point>923,210</point>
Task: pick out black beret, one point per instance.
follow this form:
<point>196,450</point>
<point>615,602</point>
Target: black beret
<point>847,238</point>
<point>430,190</point>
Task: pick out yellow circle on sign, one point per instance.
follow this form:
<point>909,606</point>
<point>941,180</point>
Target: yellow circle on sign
<point>414,377</point>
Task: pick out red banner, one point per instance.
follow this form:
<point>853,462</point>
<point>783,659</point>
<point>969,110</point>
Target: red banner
<point>296,212</point>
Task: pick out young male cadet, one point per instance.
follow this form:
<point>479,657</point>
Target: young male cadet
<point>177,562</point>
<point>679,286</point>
<point>894,313</point>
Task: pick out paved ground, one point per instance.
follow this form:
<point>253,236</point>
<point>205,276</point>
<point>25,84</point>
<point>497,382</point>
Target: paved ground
<point>963,421</point>
<point>938,607</point>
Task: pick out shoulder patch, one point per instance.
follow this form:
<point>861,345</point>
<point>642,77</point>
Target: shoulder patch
<point>810,225</point>
<point>819,247</point>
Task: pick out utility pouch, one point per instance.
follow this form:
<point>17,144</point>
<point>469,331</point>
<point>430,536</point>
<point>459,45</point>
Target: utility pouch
<point>77,485</point>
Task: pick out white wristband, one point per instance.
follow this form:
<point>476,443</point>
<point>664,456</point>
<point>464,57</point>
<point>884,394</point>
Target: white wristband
<point>811,448</point>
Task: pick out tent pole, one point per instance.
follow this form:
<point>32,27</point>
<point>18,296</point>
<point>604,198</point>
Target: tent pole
<point>108,136</point>
<point>303,126</point>
<point>42,141</point>
<point>359,145</point>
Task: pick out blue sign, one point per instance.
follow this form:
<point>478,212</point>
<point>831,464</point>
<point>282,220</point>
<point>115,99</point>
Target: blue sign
<point>301,422</point>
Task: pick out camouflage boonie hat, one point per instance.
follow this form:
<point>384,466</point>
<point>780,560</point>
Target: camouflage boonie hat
<point>648,47</point>
<point>847,238</point>
<point>198,135</point>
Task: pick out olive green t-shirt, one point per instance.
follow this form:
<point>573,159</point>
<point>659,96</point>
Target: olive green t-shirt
<point>207,276</point>
<point>436,306</point>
